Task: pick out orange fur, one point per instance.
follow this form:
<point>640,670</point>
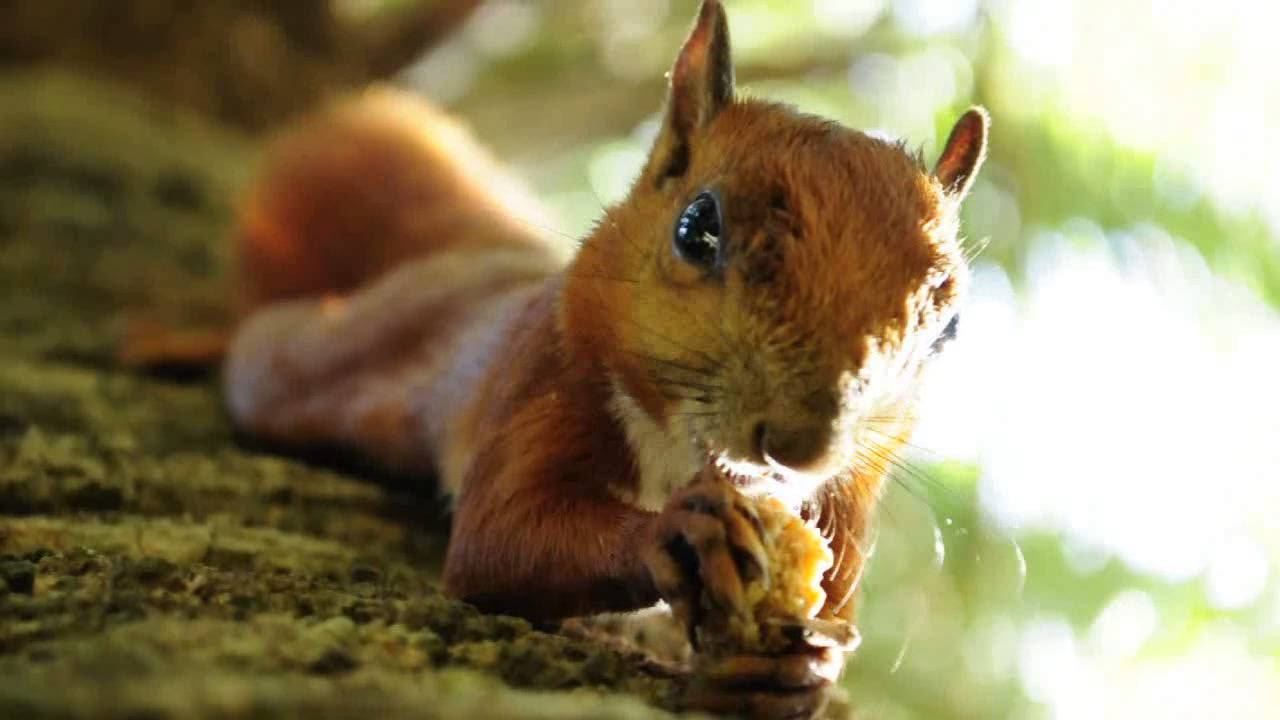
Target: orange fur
<point>352,192</point>
<point>557,401</point>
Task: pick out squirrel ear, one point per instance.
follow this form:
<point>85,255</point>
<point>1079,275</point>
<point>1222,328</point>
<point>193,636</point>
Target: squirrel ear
<point>965,150</point>
<point>701,85</point>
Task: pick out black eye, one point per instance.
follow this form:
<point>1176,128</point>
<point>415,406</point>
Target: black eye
<point>947,335</point>
<point>697,234</point>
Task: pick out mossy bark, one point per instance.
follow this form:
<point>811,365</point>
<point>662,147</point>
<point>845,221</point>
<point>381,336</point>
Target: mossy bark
<point>152,564</point>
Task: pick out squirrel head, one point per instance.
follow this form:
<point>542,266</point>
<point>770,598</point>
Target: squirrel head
<point>774,283</point>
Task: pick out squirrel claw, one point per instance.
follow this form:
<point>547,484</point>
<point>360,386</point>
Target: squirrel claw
<point>693,554</point>
<point>804,668</point>
<point>711,495</point>
<point>705,541</point>
<point>761,704</point>
<point>818,632</point>
<point>791,685</point>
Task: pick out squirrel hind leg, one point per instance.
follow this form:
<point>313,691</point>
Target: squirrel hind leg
<point>652,631</point>
<point>297,374</point>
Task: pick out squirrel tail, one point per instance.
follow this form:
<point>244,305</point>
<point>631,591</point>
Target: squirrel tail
<point>364,185</point>
<point>342,196</point>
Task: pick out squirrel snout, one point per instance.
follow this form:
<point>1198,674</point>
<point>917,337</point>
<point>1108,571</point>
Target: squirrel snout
<point>807,447</point>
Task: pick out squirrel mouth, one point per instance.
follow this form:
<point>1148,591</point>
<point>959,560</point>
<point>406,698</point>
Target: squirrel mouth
<point>748,475</point>
<point>744,474</point>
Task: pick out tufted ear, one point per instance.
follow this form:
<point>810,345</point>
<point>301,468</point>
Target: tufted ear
<point>701,85</point>
<point>963,155</point>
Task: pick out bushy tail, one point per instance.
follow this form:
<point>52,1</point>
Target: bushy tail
<point>347,194</point>
<point>340,198</point>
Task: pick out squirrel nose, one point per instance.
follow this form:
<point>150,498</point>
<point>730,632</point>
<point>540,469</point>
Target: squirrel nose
<point>803,448</point>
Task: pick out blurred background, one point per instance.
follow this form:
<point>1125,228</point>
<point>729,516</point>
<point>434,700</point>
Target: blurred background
<point>1085,526</point>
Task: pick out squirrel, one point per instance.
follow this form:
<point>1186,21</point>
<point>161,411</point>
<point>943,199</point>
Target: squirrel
<point>762,303</point>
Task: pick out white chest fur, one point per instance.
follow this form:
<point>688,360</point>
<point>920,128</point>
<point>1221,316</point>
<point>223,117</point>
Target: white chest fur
<point>665,461</point>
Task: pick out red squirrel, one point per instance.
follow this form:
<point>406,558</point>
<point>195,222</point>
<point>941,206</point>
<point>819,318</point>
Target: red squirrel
<point>763,301</point>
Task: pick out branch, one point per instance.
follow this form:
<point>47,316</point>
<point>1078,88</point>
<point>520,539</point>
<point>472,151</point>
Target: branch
<point>392,40</point>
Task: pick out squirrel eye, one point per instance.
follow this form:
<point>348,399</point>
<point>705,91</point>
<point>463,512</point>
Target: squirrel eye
<point>697,235</point>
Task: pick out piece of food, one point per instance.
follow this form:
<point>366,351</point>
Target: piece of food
<point>789,594</point>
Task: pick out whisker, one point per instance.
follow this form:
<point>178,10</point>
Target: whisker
<point>917,474</point>
<point>972,252</point>
<point>672,393</point>
<point>674,364</point>
<point>711,361</point>
<point>886,463</point>
<point>610,278</point>
<point>685,384</point>
<point>894,438</point>
<point>694,413</point>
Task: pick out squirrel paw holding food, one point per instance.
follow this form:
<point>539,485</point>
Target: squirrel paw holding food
<point>744,577</point>
<point>746,327</point>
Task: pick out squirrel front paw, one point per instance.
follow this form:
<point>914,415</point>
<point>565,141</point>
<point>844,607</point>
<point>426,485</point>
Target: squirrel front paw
<point>717,557</point>
<point>794,684</point>
<point>706,543</point>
